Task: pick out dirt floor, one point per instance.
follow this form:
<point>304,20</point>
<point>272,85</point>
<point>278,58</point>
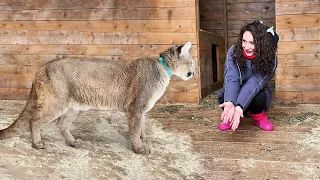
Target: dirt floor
<point>185,142</point>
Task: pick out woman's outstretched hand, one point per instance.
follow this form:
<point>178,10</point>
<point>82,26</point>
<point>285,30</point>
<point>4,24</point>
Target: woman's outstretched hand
<point>228,111</point>
<point>238,114</point>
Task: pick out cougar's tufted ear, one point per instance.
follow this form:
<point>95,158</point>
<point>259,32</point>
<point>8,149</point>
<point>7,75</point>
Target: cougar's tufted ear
<point>185,49</point>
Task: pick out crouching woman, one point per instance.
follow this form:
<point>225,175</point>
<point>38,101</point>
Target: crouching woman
<point>249,67</point>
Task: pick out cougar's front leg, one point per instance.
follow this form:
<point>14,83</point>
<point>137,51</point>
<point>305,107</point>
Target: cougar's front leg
<point>135,119</point>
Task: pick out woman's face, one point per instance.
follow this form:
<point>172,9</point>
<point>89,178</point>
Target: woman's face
<point>247,43</point>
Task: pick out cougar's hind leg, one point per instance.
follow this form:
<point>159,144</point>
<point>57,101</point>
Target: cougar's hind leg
<point>65,122</point>
<point>43,116</point>
<point>135,118</point>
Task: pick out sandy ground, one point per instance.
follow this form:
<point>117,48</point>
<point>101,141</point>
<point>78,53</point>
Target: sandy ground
<point>105,153</point>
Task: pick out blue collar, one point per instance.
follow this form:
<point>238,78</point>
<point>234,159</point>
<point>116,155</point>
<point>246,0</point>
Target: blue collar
<point>165,66</point>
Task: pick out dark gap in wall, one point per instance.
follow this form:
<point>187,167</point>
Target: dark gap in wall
<point>214,63</point>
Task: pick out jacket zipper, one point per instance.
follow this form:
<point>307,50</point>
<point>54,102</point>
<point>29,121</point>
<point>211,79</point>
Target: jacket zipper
<point>239,74</point>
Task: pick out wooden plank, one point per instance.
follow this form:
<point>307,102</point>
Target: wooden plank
<point>246,125</point>
<point>311,97</point>
<point>231,150</point>
<point>289,96</point>
<point>216,32</point>
<point>238,24</point>
<point>259,169</point>
<point>103,26</point>
<point>212,24</point>
<point>93,4</point>
<point>206,69</point>
<point>209,8</point>
<point>206,54</point>
<point>225,20</point>
<point>276,137</point>
<point>205,46</point>
<point>221,57</point>
<point>298,84</point>
<point>88,50</point>
<point>296,72</point>
<point>16,82</point>
<point>298,7</point>
<point>210,38</point>
<point>299,47</point>
<point>299,34</point>
<point>298,21</point>
<point>251,7</point>
<point>306,97</point>
<point>234,33</point>
<point>232,40</point>
<point>210,2</point>
<point>178,13</point>
<point>267,15</point>
<point>14,70</point>
<point>80,37</point>
<point>299,59</point>
<point>14,94</point>
<point>208,16</point>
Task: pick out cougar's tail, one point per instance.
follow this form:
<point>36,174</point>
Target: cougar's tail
<point>22,123</point>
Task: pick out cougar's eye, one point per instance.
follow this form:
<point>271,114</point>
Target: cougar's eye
<point>189,74</point>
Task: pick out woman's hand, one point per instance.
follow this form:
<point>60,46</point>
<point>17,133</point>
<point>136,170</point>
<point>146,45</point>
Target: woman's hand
<point>238,114</point>
<point>228,111</point>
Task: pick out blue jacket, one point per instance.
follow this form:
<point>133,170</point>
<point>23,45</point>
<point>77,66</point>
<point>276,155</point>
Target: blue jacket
<point>241,87</point>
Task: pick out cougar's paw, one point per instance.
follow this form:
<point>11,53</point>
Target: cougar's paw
<point>76,143</point>
<point>142,150</point>
<point>39,145</point>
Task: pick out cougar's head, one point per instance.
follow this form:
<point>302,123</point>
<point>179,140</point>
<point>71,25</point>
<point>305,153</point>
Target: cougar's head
<point>179,61</point>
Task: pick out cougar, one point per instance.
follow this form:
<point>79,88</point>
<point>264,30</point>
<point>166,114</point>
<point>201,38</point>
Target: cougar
<point>63,87</point>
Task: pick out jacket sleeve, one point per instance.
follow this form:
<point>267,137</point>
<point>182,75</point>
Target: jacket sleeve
<point>231,79</point>
<point>253,86</point>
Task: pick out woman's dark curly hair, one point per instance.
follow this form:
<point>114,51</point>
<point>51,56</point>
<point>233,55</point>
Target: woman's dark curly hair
<point>265,49</point>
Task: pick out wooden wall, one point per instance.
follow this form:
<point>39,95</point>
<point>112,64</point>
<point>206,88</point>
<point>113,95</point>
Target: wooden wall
<point>209,83</point>
<point>226,17</point>
<point>34,32</point>
<point>212,16</point>
<point>298,25</point>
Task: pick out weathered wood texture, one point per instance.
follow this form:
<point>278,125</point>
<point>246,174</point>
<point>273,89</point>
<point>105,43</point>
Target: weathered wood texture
<point>298,25</point>
<point>34,32</point>
<point>211,68</point>
<point>238,12</point>
<point>291,151</point>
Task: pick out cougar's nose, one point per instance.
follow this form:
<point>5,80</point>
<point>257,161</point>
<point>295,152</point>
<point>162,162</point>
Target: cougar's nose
<point>189,74</point>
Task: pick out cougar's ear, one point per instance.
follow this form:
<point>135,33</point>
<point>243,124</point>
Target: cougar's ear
<point>185,48</point>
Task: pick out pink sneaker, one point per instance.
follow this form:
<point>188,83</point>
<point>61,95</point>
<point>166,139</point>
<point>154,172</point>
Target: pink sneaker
<point>262,121</point>
<point>224,126</point>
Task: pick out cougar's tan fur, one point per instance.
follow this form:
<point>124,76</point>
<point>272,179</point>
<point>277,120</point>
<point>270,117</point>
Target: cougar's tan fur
<point>63,87</point>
